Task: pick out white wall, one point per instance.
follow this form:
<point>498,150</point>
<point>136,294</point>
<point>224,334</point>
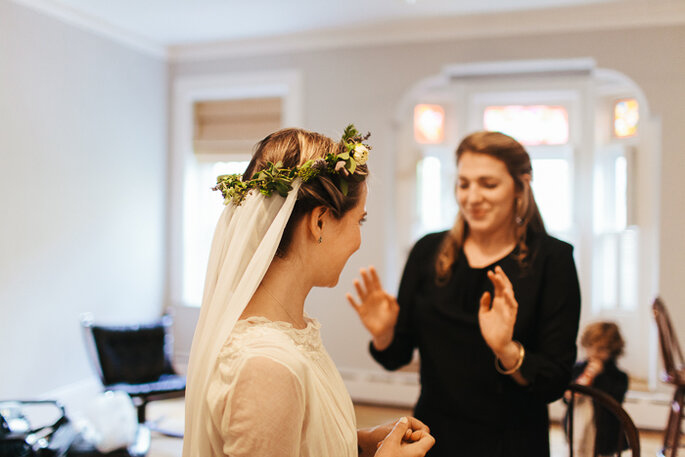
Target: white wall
<point>364,85</point>
<point>83,136</point>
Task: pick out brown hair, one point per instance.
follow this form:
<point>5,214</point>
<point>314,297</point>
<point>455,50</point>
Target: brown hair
<point>293,147</point>
<point>506,149</point>
<point>605,333</point>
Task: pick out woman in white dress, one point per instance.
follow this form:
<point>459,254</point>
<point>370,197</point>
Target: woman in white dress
<point>260,382</point>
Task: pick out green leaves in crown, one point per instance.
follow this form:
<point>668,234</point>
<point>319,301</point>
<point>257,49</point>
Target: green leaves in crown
<point>276,178</point>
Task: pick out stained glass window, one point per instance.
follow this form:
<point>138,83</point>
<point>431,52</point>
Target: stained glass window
<point>429,124</point>
<point>531,125</point>
<point>626,116</point>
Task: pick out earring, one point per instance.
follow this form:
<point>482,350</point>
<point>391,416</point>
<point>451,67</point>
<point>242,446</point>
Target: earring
<point>518,219</point>
<point>320,239</point>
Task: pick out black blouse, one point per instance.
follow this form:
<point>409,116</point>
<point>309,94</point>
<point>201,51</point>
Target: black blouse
<point>473,410</point>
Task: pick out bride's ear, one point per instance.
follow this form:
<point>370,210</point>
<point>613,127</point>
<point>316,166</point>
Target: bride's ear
<point>316,221</point>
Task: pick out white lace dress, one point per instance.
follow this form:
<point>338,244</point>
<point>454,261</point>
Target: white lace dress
<point>276,392</point>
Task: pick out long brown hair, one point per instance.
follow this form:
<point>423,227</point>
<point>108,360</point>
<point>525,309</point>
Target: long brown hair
<point>293,147</point>
<point>528,219</point>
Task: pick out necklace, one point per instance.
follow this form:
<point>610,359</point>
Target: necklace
<point>278,302</point>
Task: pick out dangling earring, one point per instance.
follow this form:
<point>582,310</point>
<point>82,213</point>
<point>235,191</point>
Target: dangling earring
<point>320,239</point>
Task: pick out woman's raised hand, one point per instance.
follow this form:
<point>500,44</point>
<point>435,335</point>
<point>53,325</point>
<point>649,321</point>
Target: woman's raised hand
<point>497,315</point>
<point>377,309</point>
<point>403,441</point>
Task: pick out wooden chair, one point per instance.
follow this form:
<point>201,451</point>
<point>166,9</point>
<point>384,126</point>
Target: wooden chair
<point>623,433</point>
<point>135,359</point>
<point>674,373</point>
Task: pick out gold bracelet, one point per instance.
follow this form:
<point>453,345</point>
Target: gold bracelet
<point>498,363</point>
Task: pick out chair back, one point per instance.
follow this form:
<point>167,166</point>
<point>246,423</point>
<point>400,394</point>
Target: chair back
<point>668,341</point>
<point>131,354</point>
<point>614,430</point>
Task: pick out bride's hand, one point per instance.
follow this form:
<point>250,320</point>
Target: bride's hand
<point>497,316</point>
<point>377,309</point>
<point>370,439</point>
<point>405,442</point>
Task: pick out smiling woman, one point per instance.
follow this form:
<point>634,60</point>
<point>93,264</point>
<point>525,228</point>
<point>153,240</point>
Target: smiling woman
<point>492,306</point>
<point>486,196</point>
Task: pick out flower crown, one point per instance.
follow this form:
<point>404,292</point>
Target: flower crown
<point>276,178</point>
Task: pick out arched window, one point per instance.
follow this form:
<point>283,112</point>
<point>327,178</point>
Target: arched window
<point>588,131</point>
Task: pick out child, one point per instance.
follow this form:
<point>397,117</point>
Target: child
<point>603,344</point>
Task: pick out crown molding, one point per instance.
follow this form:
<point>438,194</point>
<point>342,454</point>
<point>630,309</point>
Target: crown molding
<point>79,20</point>
<point>611,15</point>
<point>617,14</point>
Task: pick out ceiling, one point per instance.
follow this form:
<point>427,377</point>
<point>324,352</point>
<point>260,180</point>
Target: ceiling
<point>180,22</point>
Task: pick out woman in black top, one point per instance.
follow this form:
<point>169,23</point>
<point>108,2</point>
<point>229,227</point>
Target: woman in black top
<point>492,306</point>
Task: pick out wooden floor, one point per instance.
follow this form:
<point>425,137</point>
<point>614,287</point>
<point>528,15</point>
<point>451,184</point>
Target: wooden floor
<point>170,415</point>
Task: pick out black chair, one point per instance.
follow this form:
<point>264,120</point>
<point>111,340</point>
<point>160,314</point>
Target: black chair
<point>621,433</point>
<point>135,359</point>
<point>674,374</point>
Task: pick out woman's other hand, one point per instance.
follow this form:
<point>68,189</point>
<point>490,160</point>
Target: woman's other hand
<point>404,441</point>
<point>497,316</point>
<point>377,309</point>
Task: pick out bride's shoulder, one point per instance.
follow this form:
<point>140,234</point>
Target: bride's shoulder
<point>278,341</point>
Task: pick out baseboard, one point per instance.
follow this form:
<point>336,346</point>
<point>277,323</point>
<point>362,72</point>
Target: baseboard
<point>647,409</point>
<point>386,388</point>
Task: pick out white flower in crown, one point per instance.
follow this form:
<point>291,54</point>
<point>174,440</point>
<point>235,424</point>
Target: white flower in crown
<point>361,154</point>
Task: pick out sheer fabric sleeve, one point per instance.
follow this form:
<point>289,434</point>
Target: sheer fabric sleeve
<point>548,368</point>
<point>260,411</point>
<point>401,350</point>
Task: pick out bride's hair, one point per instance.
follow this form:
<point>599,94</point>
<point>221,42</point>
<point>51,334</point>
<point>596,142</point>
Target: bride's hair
<point>293,147</point>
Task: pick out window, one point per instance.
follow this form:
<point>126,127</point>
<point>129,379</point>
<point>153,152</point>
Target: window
<point>429,124</point>
<point>615,237</point>
<point>435,179</point>
<point>217,121</point>
<point>553,189</point>
<point>582,132</point>
<point>531,125</point>
<point>626,116</point>
<point>200,222</point>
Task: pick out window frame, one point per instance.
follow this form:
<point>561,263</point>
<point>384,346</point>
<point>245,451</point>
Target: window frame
<point>187,90</point>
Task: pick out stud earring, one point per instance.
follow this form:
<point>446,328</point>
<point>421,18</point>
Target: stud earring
<point>518,218</point>
<point>320,239</point>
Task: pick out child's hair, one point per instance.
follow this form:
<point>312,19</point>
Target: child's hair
<point>605,333</point>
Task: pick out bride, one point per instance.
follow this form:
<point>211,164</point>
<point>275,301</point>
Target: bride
<point>260,382</point>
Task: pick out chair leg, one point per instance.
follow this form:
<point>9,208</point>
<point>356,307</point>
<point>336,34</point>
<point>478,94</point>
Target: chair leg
<point>672,433</point>
<point>141,411</point>
<point>678,418</point>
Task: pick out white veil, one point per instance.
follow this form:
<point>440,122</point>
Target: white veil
<point>244,245</point>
